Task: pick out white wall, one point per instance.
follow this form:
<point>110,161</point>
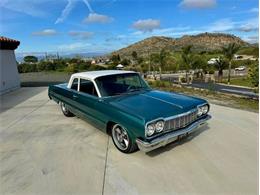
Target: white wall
<point>9,77</point>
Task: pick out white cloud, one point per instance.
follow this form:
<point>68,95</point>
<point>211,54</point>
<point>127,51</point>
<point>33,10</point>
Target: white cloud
<point>249,25</point>
<point>28,7</point>
<point>97,18</point>
<point>81,34</point>
<point>198,4</point>
<point>45,32</point>
<point>147,25</point>
<point>74,46</point>
<point>172,31</point>
<point>254,10</point>
<point>68,8</point>
<point>88,5</point>
<point>251,39</point>
<point>65,11</point>
<point>221,25</point>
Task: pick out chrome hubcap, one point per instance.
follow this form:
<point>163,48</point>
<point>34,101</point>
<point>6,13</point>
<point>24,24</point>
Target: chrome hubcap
<point>120,137</point>
<point>63,107</point>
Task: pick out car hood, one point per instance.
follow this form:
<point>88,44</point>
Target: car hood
<point>154,104</point>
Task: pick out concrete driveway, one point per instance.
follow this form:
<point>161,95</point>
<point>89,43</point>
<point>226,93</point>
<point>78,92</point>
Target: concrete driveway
<point>43,152</point>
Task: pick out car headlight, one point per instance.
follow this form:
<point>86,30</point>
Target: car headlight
<point>200,112</point>
<point>205,109</point>
<point>159,125</point>
<point>150,129</point>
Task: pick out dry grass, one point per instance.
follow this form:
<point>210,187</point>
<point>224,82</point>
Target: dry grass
<point>212,96</point>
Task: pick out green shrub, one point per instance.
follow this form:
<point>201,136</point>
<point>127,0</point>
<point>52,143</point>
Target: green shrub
<point>254,75</point>
<point>72,68</point>
<point>25,67</point>
<point>96,67</point>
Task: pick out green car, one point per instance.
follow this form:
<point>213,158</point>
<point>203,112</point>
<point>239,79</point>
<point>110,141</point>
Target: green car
<point>123,105</point>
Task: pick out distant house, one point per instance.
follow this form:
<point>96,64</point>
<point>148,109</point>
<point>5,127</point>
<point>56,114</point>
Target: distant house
<point>9,77</point>
<point>212,61</point>
<point>119,66</point>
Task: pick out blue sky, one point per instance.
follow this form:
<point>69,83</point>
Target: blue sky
<point>76,26</point>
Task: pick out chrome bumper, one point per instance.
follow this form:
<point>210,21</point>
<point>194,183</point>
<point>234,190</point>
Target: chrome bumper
<point>170,137</point>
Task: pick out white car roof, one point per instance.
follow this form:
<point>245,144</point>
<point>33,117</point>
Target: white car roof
<point>95,74</point>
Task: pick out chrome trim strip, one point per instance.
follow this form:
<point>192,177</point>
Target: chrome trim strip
<point>170,137</point>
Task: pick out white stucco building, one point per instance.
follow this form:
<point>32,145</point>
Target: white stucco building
<point>9,77</point>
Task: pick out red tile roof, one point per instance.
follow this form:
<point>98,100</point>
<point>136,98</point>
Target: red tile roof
<point>8,44</point>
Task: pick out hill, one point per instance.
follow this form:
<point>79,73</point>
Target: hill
<point>200,42</point>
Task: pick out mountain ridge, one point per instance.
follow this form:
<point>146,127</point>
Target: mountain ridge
<point>200,42</point>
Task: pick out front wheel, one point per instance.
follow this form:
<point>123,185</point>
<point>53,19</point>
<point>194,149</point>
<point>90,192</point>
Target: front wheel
<point>65,110</point>
<point>122,140</point>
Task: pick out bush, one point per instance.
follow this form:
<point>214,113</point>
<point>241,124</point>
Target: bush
<point>23,68</point>
<point>159,84</point>
<point>211,71</point>
<point>84,65</point>
<point>237,63</point>
<point>72,68</point>
<point>96,67</point>
<point>125,62</point>
<point>254,75</point>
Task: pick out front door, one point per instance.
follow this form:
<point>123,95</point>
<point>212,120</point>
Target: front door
<point>88,99</point>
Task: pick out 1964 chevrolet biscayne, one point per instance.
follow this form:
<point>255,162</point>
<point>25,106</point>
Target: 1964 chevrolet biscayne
<point>122,104</point>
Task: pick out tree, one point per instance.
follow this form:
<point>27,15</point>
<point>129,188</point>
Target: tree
<point>162,60</point>
<point>187,59</point>
<point>254,75</point>
<point>30,59</point>
<point>220,65</point>
<point>154,59</point>
<point>229,53</point>
<point>134,55</point>
<point>125,62</point>
<point>115,59</point>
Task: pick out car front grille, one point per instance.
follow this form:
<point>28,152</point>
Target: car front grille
<point>183,120</point>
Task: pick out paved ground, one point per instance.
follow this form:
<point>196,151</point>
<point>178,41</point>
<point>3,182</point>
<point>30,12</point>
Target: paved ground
<point>43,152</point>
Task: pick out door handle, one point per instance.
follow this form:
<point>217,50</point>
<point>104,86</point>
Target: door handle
<point>75,96</point>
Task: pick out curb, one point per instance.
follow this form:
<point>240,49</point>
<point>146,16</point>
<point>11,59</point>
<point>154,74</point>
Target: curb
<point>235,86</point>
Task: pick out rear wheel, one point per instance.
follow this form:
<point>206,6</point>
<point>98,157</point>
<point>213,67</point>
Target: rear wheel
<point>122,140</point>
<point>65,110</point>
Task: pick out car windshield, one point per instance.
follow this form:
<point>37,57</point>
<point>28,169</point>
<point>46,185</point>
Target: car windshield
<point>118,84</point>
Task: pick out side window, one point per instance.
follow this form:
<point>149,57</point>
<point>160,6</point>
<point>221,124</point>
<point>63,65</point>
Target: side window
<point>74,84</point>
<point>88,87</point>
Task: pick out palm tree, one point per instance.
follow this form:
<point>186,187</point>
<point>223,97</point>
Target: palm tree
<point>229,53</point>
<point>162,60</point>
<point>187,58</point>
<point>154,59</point>
<point>220,64</point>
